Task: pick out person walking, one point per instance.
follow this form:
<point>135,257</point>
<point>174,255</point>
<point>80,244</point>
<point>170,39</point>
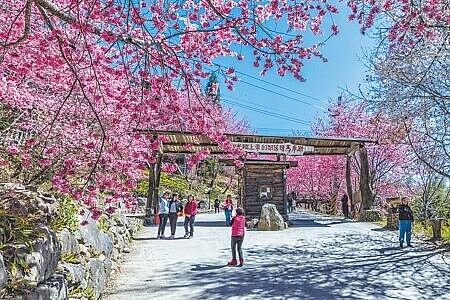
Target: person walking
<point>216,206</point>
<point>290,204</point>
<point>190,211</point>
<point>228,208</point>
<point>405,220</point>
<point>163,214</point>
<point>175,207</point>
<point>237,237</point>
<point>344,202</point>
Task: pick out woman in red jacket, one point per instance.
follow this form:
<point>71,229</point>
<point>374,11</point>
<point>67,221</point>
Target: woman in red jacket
<point>237,237</point>
<point>190,211</point>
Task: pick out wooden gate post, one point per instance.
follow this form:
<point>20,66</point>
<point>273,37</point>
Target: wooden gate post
<point>348,180</point>
<point>366,192</point>
<point>157,178</point>
<point>151,187</point>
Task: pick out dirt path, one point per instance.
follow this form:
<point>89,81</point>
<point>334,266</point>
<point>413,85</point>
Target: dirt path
<point>317,258</point>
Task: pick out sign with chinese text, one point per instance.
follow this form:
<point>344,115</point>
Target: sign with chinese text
<point>274,148</point>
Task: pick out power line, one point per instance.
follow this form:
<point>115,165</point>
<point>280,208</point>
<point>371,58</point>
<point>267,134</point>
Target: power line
<point>282,95</point>
<point>274,129</point>
<point>281,87</point>
<point>252,103</point>
<point>265,112</point>
<point>273,84</point>
<point>283,131</point>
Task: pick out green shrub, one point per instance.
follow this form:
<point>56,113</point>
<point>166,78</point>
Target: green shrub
<point>67,216</point>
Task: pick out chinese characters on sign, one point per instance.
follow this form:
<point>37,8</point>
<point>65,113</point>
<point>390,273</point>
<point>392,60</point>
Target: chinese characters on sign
<point>284,148</point>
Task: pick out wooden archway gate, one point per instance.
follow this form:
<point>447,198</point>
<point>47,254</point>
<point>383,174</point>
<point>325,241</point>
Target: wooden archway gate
<point>179,142</point>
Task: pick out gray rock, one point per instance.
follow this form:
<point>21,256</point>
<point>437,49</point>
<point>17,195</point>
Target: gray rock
<point>252,223</point>
<point>55,288</point>
<point>44,257</point>
<point>134,225</point>
<point>97,276</point>
<point>69,242</point>
<point>75,273</point>
<point>115,254</point>
<point>3,274</point>
<point>118,238</point>
<point>107,263</point>
<point>270,219</point>
<point>96,238</point>
<point>115,266</point>
<point>12,186</point>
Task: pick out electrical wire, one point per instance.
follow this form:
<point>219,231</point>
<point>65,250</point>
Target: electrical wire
<point>282,95</point>
<point>273,84</point>
<point>281,87</point>
<point>265,112</point>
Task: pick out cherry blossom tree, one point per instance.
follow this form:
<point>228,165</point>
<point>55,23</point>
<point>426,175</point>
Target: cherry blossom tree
<point>81,76</point>
<point>412,86</point>
<point>389,158</point>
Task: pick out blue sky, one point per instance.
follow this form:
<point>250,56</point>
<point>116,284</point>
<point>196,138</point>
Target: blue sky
<point>324,81</point>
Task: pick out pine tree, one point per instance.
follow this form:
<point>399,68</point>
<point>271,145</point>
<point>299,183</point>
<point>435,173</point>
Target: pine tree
<point>212,89</point>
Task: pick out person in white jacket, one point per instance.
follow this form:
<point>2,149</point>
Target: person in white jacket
<point>163,214</point>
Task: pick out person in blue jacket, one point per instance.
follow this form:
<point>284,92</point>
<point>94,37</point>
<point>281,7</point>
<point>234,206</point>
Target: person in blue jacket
<point>405,221</point>
<point>163,214</point>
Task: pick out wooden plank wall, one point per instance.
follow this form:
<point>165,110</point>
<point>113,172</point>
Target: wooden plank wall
<point>256,175</point>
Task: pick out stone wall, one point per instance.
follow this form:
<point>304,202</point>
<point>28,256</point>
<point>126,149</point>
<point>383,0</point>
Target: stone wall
<point>90,255</point>
<point>59,265</point>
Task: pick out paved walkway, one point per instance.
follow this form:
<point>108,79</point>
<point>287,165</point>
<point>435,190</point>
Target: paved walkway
<point>317,258</point>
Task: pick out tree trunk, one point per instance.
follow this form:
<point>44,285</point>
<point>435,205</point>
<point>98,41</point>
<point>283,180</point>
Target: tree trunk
<point>366,192</point>
<point>157,178</point>
<point>437,229</point>
<point>151,188</point>
<point>348,180</point>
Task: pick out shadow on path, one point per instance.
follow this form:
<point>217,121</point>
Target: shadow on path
<point>210,224</point>
<point>205,267</point>
<point>312,272</point>
<point>341,263</point>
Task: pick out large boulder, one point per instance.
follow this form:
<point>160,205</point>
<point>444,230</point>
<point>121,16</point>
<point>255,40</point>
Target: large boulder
<point>69,242</point>
<point>75,274</point>
<point>44,257</point>
<point>3,274</point>
<point>54,288</point>
<point>100,241</point>
<point>270,219</point>
<point>19,202</point>
<point>97,276</point>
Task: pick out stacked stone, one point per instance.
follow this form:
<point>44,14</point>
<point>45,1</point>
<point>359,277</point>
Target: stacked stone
<point>65,264</point>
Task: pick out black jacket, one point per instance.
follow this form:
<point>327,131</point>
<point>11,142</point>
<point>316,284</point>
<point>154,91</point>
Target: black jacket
<point>405,212</point>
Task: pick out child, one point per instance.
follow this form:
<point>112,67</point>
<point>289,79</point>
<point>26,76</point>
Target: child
<point>237,236</point>
<point>228,208</point>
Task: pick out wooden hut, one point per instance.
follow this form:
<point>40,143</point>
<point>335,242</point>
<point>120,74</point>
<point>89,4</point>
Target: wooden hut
<point>263,182</point>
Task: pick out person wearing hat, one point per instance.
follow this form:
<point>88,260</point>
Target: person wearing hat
<point>405,220</point>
